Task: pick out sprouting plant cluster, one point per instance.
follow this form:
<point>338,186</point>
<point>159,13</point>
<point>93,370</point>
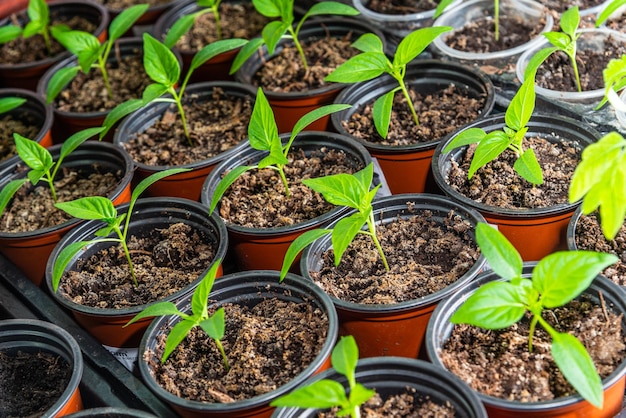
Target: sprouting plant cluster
<point>38,24</point>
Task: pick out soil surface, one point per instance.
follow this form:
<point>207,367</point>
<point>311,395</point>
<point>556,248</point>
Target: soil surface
<point>560,5</point>
<point>618,24</point>
<point>257,199</point>
<point>589,236</point>
<point>401,7</point>
<point>497,184</point>
<point>267,346</point>
<point>425,255</point>
<point>32,208</point>
<point>215,125</point>
<point>24,125</point>
<point>498,363</point>
<point>123,4</point>
<point>439,114</point>
<point>165,261</point>
<point>31,382</point>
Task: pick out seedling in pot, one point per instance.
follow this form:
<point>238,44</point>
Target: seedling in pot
<point>352,190</point>
<point>102,209</point>
<point>608,10</point>
<point>184,23</point>
<point>556,280</point>
<point>9,103</point>
<point>373,62</point>
<point>164,69</point>
<point>40,162</point>
<point>213,325</point>
<point>263,136</point>
<point>614,76</point>
<point>274,31</point>
<point>600,180</point>
<point>326,393</point>
<point>90,53</point>
<point>443,5</point>
<point>492,144</point>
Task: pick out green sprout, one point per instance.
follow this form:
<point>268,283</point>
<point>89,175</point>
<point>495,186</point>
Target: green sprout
<point>9,103</point>
<point>614,76</point>
<point>608,10</point>
<point>184,23</point>
<point>443,5</point>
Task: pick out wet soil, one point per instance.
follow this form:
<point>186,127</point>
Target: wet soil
<point>424,255</point>
<point>24,125</point>
<point>401,7</point>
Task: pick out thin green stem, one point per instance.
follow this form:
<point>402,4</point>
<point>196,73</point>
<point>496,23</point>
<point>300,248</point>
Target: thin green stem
<point>294,35</point>
<point>218,25</point>
<point>46,39</point>
<point>372,233</point>
<point>496,7</point>
<point>572,58</point>
<point>224,358</point>
<point>356,411</point>
<point>545,325</point>
<point>127,253</point>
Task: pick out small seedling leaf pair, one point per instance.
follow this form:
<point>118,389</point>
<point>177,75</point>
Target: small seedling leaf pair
<point>556,280</point>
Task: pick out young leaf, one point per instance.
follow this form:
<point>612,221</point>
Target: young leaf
<point>339,189</point>
<point>501,255</point>
<point>8,191</point>
<point>465,137</point>
<point>608,11</point>
<point>262,130</point>
<point>159,62</point>
<point>344,358</point>
<point>344,232</point>
<point>9,103</point>
<point>9,33</point>
<point>381,112</point>
<point>488,149</point>
<point>119,112</point>
<point>58,81</point>
<point>201,294</point>
<point>34,155</point>
<point>214,49</point>
<point>528,167</point>
<point>91,207</point>
<point>158,309</point>
<point>330,8</point>
<point>225,183</point>
<point>314,115</point>
<point>244,53</point>
<point>75,140</point>
<point>178,29</point>
<point>214,325</point>
<point>63,260</point>
<point>415,43</point>
<point>522,106</point>
<point>362,67</point>
<point>300,243</point>
<point>175,337</point>
<point>322,394</point>
<point>125,20</point>
<point>272,32</point>
<point>153,178</point>
<point>369,42</point>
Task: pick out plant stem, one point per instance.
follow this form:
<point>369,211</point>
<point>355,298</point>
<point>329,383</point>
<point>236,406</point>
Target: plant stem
<point>46,39</point>
<point>531,332</point>
<point>127,253</point>
<point>179,104</point>
<point>496,7</point>
<point>105,76</point>
<point>372,233</point>
<point>224,358</point>
<point>400,78</point>
<point>298,47</point>
<point>50,180</point>
<point>216,16</point>
<point>281,172</point>
<point>572,58</point>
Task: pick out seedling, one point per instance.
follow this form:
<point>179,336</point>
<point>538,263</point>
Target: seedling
<point>263,136</point>
<point>352,190</point>
<point>614,80</point>
<point>9,103</point>
<point>564,41</point>
<point>326,393</point>
<point>492,144</point>
<point>164,69</point>
<point>274,31</point>
<point>90,53</point>
<point>556,280</point>
<point>608,11</point>
<point>102,209</point>
<point>600,180</point>
<point>373,62</point>
<point>213,325</point>
<point>182,25</point>
<point>443,4</point>
<point>40,162</point>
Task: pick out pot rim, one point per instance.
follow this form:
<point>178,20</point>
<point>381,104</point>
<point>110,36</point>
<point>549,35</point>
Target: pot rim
<point>36,100</point>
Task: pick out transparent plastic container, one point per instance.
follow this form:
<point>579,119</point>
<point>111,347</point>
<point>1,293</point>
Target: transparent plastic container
<point>621,116</point>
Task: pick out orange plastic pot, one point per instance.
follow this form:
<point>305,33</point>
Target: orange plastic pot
<point>407,168</point>
<point>29,251</point>
<point>27,75</point>
<point>393,329</point>
<point>573,406</point>
<point>537,232</point>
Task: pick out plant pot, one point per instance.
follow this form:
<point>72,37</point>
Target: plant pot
<point>407,167</point>
<point>34,336</point>
<point>111,412</point>
<point>265,248</point>
<point>288,107</point>
<point>391,375</point>
<point>395,329</point>
<point>150,214</point>
<point>29,251</point>
<point>529,11</point>
<point>26,75</point>
<point>34,114</point>
<point>535,232</point>
<point>188,184</point>
<point>249,289</point>
<point>439,329</point>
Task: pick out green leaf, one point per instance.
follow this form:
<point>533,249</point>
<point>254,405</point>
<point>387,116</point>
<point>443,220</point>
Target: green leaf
<point>214,325</point>
<point>200,296</point>
<point>9,33</point>
<point>74,141</point>
<point>322,394</point>
<point>381,113</point>
<point>570,20</point>
<point>608,11</point>
<point>158,309</point>
<point>522,106</point>
<point>125,20</point>
<point>576,365</point>
<point>63,260</point>
<point>488,149</point>
<point>267,8</point>
<point>441,7</point>
<point>34,155</point>
<point>153,178</point>
<point>559,40</point>
<point>272,32</point>
<point>369,42</point>
<point>159,62</point>
<point>465,137</point>
<point>494,305</point>
<point>535,62</point>
<point>562,276</point>
<point>176,336</point>
<point>314,115</point>
<point>415,43</point>
<point>38,10</point>
<point>8,191</point>
<point>362,67</point>
<point>262,130</point>
<point>58,81</point>
<point>90,207</point>
<point>120,111</point>
<point>33,28</point>
<point>245,52</point>
<point>178,29</point>
<point>9,103</point>
<point>225,183</point>
<point>613,205</point>
<point>300,243</point>
<point>528,167</point>
<point>501,255</point>
<point>77,41</point>
<point>275,157</point>
<point>358,395</point>
<point>152,92</point>
<point>214,49</point>
<point>345,356</point>
<point>344,232</point>
<point>339,189</point>
<point>330,8</point>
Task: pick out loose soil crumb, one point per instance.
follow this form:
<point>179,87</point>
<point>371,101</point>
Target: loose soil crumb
<point>401,7</point>
<point>165,261</point>
<point>31,382</point>
<point>123,4</point>
<point>618,24</point>
<point>439,114</point>
<point>24,124</point>
<point>425,255</point>
<point>560,5</point>
<point>267,346</point>
<point>497,184</point>
<point>497,362</point>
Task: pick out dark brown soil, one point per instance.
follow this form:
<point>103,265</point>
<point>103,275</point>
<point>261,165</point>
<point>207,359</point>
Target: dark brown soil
<point>34,48</point>
<point>267,346</point>
<point>9,124</point>
<point>401,7</point>
<point>123,4</point>
<point>323,56</point>
<point>618,24</point>
<point>498,363</point>
<point>557,73</point>
<point>165,261</point>
<point>589,236</point>
<point>32,208</point>
<point>439,114</point>
<point>215,126</point>
<point>560,5</point>
<point>497,184</point>
<point>258,200</point>
<point>31,382</point>
<point>424,256</point>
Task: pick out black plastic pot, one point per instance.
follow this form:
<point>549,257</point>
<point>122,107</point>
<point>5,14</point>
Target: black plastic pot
<point>407,168</point>
<point>391,375</point>
<point>248,288</point>
<point>111,412</point>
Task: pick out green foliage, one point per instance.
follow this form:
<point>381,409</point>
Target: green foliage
<point>443,5</point>
<point>184,23</point>
<point>9,103</point>
<point>372,62</point>
<point>326,393</point>
<point>275,30</point>
<point>213,325</point>
<point>263,136</point>
<point>608,10</point>
<point>492,144</point>
<point>101,208</point>
<point>614,80</point>
<point>351,190</point>
<point>89,51</point>
<point>600,180</point>
<point>556,280</point>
